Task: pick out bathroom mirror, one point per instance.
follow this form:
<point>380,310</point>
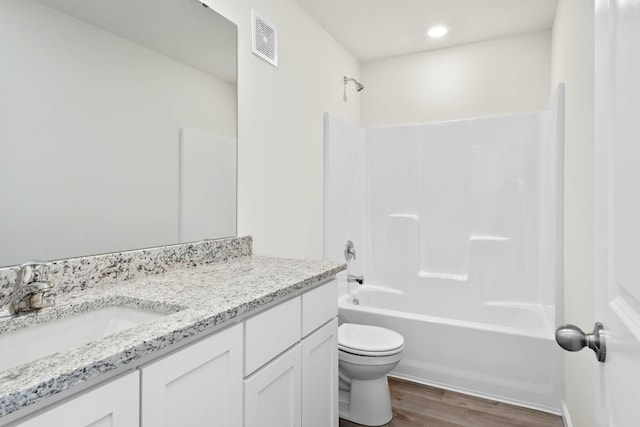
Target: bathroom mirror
<point>104,109</point>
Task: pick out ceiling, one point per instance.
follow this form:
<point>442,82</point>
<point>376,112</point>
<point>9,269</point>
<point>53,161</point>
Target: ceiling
<point>376,29</point>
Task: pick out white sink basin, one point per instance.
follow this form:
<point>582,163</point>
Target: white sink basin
<point>31,343</point>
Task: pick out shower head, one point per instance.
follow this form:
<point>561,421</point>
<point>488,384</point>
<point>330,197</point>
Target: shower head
<point>359,86</point>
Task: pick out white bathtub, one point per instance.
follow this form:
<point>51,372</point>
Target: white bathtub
<point>510,355</point>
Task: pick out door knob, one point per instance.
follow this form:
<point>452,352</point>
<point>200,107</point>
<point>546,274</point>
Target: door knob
<point>571,338</point>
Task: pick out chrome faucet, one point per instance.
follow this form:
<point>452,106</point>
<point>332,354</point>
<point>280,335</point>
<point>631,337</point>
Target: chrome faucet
<point>349,254</point>
<point>31,290</point>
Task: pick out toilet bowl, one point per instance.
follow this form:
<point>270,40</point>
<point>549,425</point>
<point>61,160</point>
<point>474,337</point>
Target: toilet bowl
<point>366,354</point>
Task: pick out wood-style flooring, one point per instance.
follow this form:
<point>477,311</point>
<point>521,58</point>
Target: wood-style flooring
<point>417,405</point>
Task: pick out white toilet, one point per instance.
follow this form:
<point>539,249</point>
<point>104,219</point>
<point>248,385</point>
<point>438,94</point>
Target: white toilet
<point>366,354</point>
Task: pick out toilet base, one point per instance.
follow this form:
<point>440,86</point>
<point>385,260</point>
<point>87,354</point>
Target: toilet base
<point>366,402</point>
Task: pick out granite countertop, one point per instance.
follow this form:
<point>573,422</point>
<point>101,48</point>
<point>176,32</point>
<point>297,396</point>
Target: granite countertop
<point>196,298</point>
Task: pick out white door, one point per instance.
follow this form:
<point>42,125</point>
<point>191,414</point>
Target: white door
<point>618,209</point>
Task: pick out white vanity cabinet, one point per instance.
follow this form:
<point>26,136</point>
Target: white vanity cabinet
<point>291,362</point>
<point>115,403</point>
<point>277,368</point>
<point>199,385</point>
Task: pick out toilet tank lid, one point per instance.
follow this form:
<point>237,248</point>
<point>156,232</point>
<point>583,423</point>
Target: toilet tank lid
<point>368,338</point>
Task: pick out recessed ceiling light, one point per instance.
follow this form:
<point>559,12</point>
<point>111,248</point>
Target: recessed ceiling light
<point>437,31</point>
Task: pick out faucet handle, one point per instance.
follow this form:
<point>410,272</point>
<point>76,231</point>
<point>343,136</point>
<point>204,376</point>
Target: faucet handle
<point>33,271</point>
<point>32,289</point>
<point>349,251</point>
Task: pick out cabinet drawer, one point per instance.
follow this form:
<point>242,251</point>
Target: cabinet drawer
<point>319,306</point>
<point>270,333</point>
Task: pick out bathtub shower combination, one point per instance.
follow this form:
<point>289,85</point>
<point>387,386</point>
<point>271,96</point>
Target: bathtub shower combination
<point>457,227</point>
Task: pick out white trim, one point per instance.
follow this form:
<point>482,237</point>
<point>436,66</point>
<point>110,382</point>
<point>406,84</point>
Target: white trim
<point>566,418</point>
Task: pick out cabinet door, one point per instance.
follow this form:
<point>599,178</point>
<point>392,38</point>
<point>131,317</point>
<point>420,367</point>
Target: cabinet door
<point>200,385</point>
<point>272,394</point>
<point>114,404</point>
<point>320,377</point>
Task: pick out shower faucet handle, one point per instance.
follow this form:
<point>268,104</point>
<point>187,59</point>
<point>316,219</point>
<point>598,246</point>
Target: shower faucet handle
<point>349,251</point>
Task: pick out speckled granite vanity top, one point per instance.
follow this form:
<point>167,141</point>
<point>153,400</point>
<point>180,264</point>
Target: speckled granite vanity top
<point>199,295</point>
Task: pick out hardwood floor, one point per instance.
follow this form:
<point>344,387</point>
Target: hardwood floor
<point>417,405</point>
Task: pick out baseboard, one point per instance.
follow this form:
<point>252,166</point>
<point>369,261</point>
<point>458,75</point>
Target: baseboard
<point>566,418</point>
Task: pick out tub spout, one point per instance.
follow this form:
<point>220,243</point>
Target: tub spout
<point>354,278</point>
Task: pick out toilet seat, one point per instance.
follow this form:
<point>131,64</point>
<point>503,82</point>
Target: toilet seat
<point>367,340</point>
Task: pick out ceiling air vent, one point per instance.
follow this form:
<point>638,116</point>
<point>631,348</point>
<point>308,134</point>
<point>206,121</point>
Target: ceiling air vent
<point>265,40</point>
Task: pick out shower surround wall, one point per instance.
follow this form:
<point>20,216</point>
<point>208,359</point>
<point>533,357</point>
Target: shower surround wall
<point>456,224</point>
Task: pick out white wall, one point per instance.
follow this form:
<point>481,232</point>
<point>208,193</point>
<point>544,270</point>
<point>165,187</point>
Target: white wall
<point>280,128</point>
<point>501,76</point>
<point>573,64</point>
